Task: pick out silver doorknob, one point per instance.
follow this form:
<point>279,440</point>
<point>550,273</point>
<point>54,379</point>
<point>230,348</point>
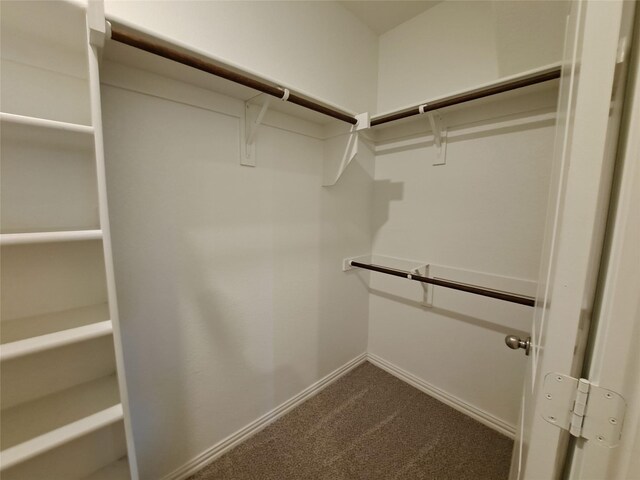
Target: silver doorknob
<point>516,342</point>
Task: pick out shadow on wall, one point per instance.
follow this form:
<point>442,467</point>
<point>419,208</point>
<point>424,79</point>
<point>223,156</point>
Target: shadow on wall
<point>421,226</point>
<point>475,321</point>
<point>385,192</point>
<point>234,339</point>
<point>345,231</point>
<point>463,126</point>
<point>242,252</point>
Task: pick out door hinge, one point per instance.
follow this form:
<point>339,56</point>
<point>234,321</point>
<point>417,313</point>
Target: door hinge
<point>584,409</point>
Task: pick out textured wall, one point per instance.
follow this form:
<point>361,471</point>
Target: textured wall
<point>219,323</point>
<point>484,211</point>
<point>231,294</point>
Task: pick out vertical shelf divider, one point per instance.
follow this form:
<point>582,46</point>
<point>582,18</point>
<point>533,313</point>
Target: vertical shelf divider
<point>97,31</point>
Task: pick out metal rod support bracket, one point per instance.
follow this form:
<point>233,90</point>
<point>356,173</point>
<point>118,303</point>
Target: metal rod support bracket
<point>364,121</point>
<point>346,263</point>
<point>341,149</point>
<point>338,152</point>
<point>439,134</point>
<point>251,124</point>
<point>427,289</point>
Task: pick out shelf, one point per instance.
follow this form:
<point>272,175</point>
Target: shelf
<point>29,420</point>
<point>48,372</point>
<point>49,237</point>
<point>77,459</point>
<point>58,24</point>
<point>119,54</point>
<point>48,176</point>
<point>39,279</point>
<point>28,327</point>
<point>44,60</point>
<point>485,91</point>
<point>50,440</point>
<point>34,91</point>
<point>21,125</point>
<point>118,470</point>
<point>9,351</point>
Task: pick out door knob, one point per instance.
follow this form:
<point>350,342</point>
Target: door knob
<point>516,342</point>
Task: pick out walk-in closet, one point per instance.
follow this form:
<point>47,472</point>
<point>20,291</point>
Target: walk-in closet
<point>319,240</point>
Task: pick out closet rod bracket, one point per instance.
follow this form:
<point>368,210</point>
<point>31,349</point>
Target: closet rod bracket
<point>346,263</point>
<point>439,134</point>
<point>364,121</point>
<point>253,119</point>
<point>427,289</point>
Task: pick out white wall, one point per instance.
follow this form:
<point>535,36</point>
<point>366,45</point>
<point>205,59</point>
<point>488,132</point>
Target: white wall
<point>229,283</point>
<point>457,45</point>
<point>483,212</point>
<point>317,46</point>
<point>219,324</point>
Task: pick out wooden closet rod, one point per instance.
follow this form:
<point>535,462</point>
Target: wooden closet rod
<point>485,292</point>
<point>120,35</point>
<point>507,85</point>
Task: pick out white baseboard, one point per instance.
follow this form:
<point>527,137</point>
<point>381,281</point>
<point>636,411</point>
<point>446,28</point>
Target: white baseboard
<point>209,455</point>
<point>476,413</point>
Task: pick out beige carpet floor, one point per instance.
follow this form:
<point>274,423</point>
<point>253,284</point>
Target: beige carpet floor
<point>368,425</point>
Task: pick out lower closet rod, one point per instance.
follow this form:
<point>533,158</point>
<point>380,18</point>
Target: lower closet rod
<point>121,35</point>
<point>506,296</point>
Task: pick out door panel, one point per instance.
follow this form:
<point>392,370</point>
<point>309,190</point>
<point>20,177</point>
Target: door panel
<point>584,151</point>
<point>614,361</point>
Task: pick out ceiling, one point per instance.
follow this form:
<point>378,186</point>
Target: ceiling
<point>382,15</point>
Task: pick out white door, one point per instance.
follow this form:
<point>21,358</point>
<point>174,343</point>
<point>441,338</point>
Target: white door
<point>614,359</point>
<point>586,137</point>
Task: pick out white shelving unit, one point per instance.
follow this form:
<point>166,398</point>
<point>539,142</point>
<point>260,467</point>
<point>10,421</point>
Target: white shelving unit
<point>63,396</point>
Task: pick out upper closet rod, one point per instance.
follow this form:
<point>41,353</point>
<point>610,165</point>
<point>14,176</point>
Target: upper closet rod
<point>485,292</point>
<point>511,84</point>
<point>120,35</point>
